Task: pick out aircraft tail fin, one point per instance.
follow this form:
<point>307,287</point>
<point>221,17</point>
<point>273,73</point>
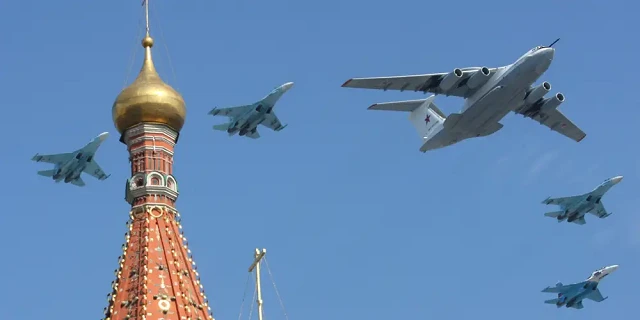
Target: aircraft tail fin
<point>425,116</point>
<point>47,173</point>
<point>222,126</point>
<point>554,214</point>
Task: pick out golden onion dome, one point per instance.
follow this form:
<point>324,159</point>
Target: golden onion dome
<point>148,99</point>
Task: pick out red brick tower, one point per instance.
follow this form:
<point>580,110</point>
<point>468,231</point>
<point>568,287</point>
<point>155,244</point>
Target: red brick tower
<point>156,277</point>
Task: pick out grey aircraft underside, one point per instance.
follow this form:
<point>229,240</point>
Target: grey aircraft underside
<point>574,208</point>
<point>244,120</point>
<point>489,93</point>
<point>571,295</point>
<point>69,166</point>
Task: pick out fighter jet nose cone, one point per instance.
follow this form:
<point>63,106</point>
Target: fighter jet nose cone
<point>614,267</point>
<point>618,179</point>
<point>103,136</point>
<point>287,86</point>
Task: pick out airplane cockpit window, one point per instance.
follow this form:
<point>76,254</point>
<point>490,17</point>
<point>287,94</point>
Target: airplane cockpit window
<point>597,274</point>
<point>537,48</point>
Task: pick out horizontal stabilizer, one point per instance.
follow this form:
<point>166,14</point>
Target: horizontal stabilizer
<point>222,126</point>
<point>452,120</point>
<point>551,301</point>
<point>406,106</point>
<point>554,214</point>
<point>78,182</point>
<point>47,173</point>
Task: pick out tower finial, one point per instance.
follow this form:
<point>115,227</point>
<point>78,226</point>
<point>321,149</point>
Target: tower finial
<point>147,42</point>
<point>148,99</point>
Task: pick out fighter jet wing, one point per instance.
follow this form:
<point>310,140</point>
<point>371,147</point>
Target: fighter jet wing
<point>599,210</point>
<point>561,201</point>
<point>272,122</point>
<point>596,296</point>
<point>562,288</point>
<point>53,158</point>
<point>253,134</point>
<point>94,170</point>
<point>230,111</point>
<point>578,305</point>
<point>422,82</point>
<point>558,122</point>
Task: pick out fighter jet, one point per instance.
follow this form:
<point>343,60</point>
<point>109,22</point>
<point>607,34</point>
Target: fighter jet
<point>489,93</point>
<point>571,295</point>
<point>575,207</point>
<point>69,166</point>
<point>245,119</point>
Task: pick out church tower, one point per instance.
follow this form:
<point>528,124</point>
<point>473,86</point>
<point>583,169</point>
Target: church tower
<point>156,278</point>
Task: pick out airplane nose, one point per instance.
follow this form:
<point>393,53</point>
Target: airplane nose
<point>617,179</point>
<point>613,268</point>
<point>103,136</point>
<point>548,53</point>
<point>287,86</point>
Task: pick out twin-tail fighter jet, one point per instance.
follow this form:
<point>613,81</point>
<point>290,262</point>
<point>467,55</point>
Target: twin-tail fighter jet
<point>574,208</point>
<point>571,295</point>
<point>489,93</point>
<point>244,120</point>
<point>69,166</point>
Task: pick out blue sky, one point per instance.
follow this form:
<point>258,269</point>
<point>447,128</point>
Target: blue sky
<point>358,223</point>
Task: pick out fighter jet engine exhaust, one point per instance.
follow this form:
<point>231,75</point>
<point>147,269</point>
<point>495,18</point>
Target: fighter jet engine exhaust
<point>450,80</point>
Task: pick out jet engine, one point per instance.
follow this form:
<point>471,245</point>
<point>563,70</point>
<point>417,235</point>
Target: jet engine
<point>537,93</point>
<point>552,103</point>
<point>478,78</point>
<point>450,80</point>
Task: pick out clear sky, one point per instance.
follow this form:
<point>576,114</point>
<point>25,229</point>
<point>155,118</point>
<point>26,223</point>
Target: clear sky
<point>358,223</point>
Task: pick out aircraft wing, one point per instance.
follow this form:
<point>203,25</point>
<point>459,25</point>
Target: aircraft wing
<point>562,288</point>
<point>556,121</point>
<point>272,122</point>
<point>578,305</point>
<point>230,111</point>
<point>422,82</point>
<point>561,201</point>
<point>599,210</point>
<point>596,296</point>
<point>94,170</point>
<point>53,158</point>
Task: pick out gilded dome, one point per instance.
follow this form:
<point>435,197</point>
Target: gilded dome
<point>148,99</point>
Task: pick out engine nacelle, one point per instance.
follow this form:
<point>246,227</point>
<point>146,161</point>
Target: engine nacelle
<point>451,80</point>
<point>552,103</point>
<point>537,93</point>
<point>479,78</point>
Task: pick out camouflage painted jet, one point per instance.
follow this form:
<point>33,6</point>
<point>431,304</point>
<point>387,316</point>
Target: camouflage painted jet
<point>571,295</point>
<point>575,207</point>
<point>69,166</point>
<point>245,119</point>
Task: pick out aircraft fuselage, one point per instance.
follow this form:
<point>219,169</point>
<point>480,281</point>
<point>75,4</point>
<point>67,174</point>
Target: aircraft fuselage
<point>250,120</point>
<point>505,91</point>
<point>588,201</point>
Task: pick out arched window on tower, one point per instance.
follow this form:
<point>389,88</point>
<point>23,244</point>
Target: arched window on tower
<point>155,181</point>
